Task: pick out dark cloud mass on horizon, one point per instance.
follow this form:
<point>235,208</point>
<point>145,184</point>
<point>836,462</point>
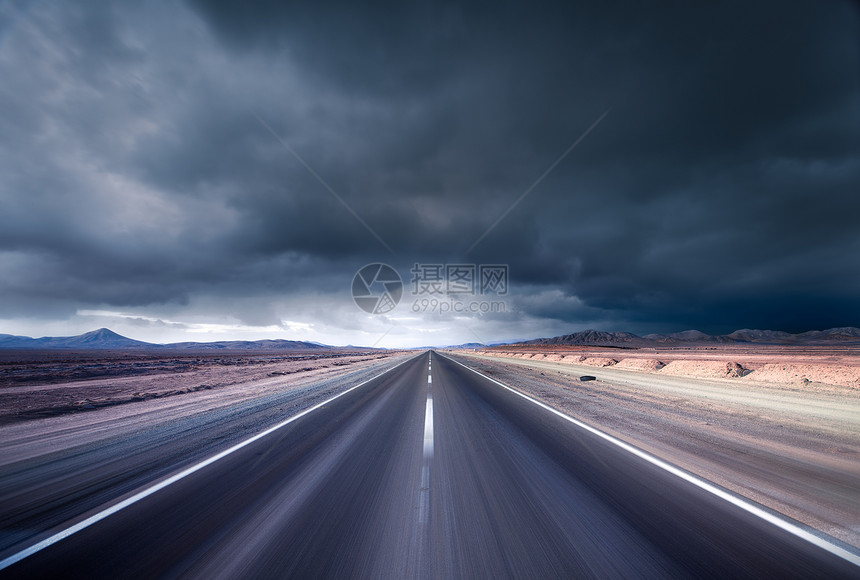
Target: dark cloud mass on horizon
<point>141,184</point>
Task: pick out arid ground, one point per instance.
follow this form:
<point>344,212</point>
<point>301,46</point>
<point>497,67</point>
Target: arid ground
<point>37,385</point>
<point>779,425</point>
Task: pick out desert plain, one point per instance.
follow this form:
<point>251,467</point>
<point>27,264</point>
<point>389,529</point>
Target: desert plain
<point>81,429</point>
<point>777,424</point>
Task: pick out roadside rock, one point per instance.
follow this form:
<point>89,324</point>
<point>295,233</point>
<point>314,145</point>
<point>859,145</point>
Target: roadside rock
<point>704,369</point>
<point>734,369</point>
<point>641,364</point>
<point>598,361</point>
<point>804,374</point>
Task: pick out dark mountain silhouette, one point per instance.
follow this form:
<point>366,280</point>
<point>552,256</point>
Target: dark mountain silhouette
<point>687,336</point>
<point>593,338</point>
<point>693,337</point>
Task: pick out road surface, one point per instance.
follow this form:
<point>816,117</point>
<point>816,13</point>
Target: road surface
<point>430,471</point>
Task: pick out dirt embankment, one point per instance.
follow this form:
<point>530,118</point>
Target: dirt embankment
<point>791,446</point>
<point>778,365</point>
<point>641,364</point>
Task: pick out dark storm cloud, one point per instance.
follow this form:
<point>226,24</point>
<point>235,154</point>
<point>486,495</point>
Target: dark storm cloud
<point>719,192</point>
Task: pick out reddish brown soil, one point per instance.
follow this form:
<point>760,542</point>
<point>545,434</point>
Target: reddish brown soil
<point>775,435</point>
<point>795,365</point>
<point>35,385</point>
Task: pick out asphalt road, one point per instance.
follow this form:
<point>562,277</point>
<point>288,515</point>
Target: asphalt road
<point>83,461</point>
<point>454,478</point>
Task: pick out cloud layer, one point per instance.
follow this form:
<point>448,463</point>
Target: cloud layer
<point>139,173</point>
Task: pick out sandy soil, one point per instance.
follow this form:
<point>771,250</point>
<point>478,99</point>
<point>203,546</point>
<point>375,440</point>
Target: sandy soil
<point>39,420</point>
<point>123,431</point>
<point>784,365</point>
<point>38,388</point>
<point>791,445</point>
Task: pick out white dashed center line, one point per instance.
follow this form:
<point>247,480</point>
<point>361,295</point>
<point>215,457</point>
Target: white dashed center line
<point>428,428</point>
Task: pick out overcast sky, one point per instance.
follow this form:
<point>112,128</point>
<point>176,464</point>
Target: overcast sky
<point>149,178</point>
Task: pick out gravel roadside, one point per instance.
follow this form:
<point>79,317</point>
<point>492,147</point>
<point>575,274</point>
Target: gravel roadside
<point>60,468</point>
<point>794,452</point>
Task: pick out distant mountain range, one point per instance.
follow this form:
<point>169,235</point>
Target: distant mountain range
<point>466,345</point>
<point>846,335</point>
<point>106,339</point>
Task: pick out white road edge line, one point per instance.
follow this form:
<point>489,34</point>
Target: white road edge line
<point>39,546</point>
<point>697,481</point>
